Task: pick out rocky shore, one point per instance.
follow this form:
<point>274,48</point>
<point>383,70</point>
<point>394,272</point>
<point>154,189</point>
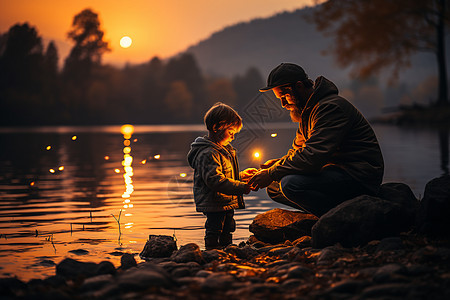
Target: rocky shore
<point>391,247</point>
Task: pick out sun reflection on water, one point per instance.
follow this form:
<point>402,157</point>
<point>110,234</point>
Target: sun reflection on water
<point>127,131</point>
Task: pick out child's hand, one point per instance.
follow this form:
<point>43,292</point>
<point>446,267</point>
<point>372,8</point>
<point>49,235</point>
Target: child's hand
<point>247,174</point>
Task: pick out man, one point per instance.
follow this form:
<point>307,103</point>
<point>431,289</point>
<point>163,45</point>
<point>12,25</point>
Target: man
<point>335,155</point>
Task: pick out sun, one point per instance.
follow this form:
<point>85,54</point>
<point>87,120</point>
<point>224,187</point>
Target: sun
<point>125,42</point>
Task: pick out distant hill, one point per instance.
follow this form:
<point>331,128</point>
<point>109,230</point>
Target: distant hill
<point>289,37</point>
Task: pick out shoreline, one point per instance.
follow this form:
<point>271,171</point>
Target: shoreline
<point>409,266</point>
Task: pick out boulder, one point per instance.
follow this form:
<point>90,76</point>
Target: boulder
<point>360,220</point>
<point>402,195</point>
<point>277,225</point>
<point>73,269</point>
<point>158,246</point>
<point>187,253</point>
<point>433,217</point>
<point>127,261</point>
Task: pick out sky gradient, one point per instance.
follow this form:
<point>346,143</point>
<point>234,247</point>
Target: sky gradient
<point>157,28</point>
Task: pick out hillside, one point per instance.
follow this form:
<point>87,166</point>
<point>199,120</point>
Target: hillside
<point>289,37</point>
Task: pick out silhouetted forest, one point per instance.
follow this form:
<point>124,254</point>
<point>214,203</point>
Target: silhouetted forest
<point>33,91</point>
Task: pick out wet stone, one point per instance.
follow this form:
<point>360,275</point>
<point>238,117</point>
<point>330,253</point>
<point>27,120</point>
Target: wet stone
<point>299,272</point>
<point>127,261</point>
<point>73,269</point>
<point>96,282</point>
<point>139,279</point>
<point>187,253</point>
<point>390,244</point>
<point>217,282</point>
<point>158,246</point>
<point>79,252</point>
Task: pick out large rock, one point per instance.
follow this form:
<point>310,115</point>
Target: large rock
<point>434,213</point>
<point>278,225</point>
<point>401,194</point>
<point>365,218</point>
<point>158,246</point>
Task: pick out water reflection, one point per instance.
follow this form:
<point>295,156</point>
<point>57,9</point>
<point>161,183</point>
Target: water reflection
<point>142,177</point>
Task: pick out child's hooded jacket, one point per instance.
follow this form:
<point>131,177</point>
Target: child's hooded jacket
<point>216,176</point>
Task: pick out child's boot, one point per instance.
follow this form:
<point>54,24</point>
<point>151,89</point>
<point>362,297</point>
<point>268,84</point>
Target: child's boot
<point>211,242</point>
<point>225,239</point>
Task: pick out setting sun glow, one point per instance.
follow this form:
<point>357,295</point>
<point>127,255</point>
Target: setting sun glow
<point>125,42</point>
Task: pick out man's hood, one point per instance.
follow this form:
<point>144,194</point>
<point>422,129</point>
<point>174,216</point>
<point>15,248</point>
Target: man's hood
<point>200,144</point>
<point>322,88</point>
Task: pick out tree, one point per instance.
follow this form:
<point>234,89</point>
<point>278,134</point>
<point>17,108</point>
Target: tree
<point>21,80</point>
<point>373,35</point>
<point>89,44</point>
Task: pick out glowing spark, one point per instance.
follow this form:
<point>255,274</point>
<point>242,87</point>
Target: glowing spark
<point>61,168</point>
<point>274,134</point>
<point>32,183</point>
<point>135,140</point>
<point>106,157</point>
<point>52,170</point>
<point>48,148</point>
<point>126,143</point>
<point>157,156</point>
<point>183,175</point>
<point>256,154</point>
<point>74,138</point>
<point>144,161</point>
<point>117,171</point>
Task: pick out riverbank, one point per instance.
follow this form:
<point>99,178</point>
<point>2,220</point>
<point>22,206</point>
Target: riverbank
<point>417,115</point>
<point>409,266</point>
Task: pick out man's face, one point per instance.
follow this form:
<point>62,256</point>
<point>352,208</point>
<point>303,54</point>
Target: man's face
<point>288,101</point>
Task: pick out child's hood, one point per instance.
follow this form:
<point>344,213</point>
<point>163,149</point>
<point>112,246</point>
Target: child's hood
<point>199,145</point>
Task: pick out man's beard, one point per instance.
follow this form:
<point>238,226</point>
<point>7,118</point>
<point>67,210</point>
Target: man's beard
<point>295,115</point>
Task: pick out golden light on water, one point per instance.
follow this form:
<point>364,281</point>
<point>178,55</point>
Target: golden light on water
<point>127,130</point>
<point>126,150</point>
<point>183,175</point>
<point>117,171</point>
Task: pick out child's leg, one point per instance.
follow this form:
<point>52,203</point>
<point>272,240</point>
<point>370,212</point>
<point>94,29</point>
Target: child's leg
<point>229,226</point>
<point>213,228</point>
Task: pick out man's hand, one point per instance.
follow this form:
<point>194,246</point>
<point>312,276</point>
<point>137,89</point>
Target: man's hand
<point>247,174</point>
<point>261,179</point>
<point>269,163</point>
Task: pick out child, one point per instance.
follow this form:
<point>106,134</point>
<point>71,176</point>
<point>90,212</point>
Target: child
<point>217,186</point>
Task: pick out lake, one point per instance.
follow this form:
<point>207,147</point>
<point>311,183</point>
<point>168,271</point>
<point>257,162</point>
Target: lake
<point>93,193</point>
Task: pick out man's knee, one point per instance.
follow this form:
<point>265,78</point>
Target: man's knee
<point>290,186</point>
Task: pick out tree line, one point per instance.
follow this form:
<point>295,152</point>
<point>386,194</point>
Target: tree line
<point>34,91</point>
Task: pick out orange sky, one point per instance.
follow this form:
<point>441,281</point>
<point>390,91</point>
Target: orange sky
<point>158,28</point>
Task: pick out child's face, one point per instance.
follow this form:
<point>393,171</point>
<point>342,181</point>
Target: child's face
<point>228,135</point>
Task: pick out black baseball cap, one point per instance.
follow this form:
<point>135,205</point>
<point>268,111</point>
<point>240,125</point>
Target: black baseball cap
<point>285,73</point>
